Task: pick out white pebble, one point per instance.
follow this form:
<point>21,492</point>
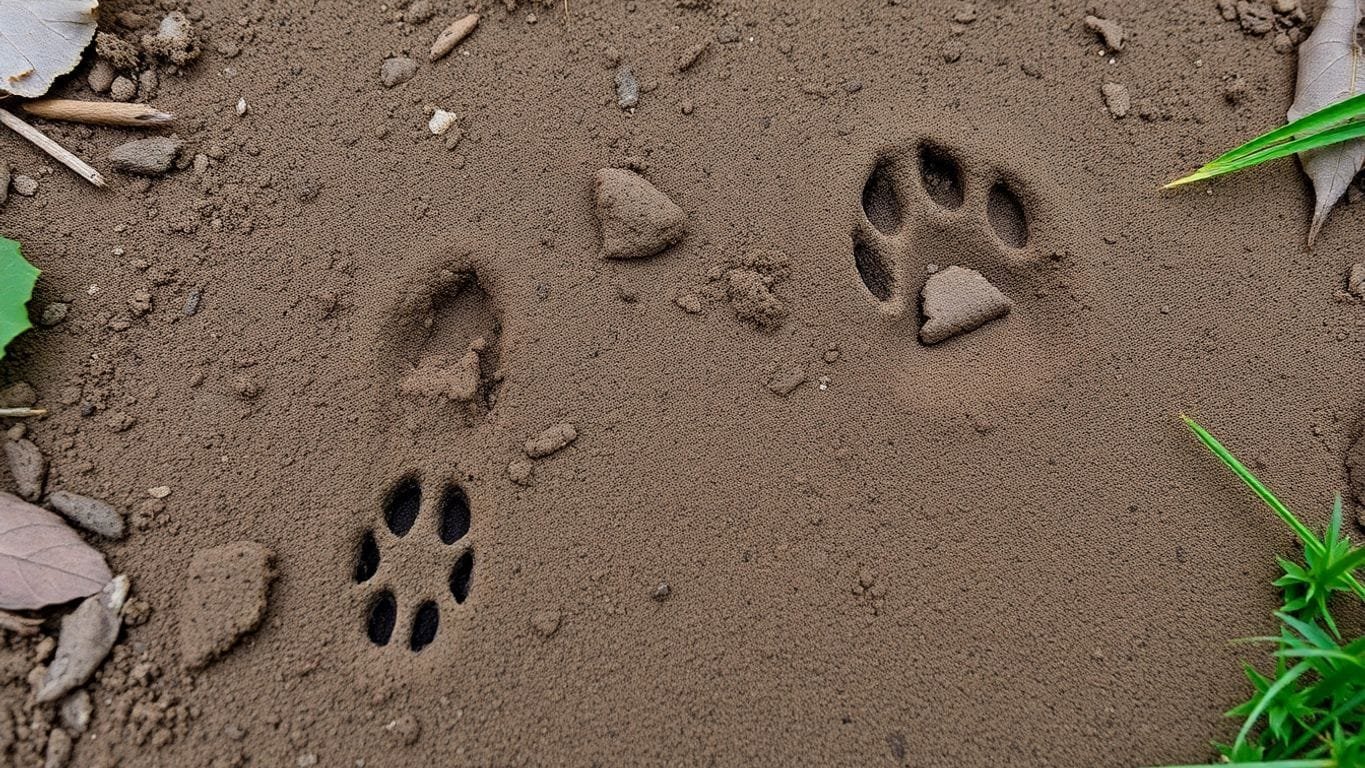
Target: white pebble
<point>441,121</point>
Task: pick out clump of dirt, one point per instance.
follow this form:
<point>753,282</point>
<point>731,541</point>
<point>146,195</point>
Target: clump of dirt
<point>750,284</point>
<point>225,597</point>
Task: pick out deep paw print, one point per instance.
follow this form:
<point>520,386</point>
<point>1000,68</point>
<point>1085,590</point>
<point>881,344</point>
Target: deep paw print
<point>419,566</point>
<point>969,262</point>
<point>934,239</point>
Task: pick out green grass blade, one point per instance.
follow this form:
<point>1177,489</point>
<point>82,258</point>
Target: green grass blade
<point>1334,135</point>
<point>1319,121</point>
<point>1283,682</point>
<point>1309,540</point>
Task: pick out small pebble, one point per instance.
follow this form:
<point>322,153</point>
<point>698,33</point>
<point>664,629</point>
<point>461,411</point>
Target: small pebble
<point>441,122</point>
<point>627,89</point>
<point>24,185</point>
<point>396,71</point>
<point>53,314</point>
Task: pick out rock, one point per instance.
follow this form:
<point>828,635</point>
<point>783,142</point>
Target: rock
<point>26,186</point>
<point>58,749</point>
<point>1355,282</point>
<point>87,635</point>
<point>53,314</point>
<point>76,711</point>
<point>545,622</point>
<point>627,89</point>
<point>175,40</point>
<point>242,107</point>
<point>957,300</point>
<point>1110,31</point>
<point>225,598</point>
<point>28,468</point>
<point>662,592</point>
<point>785,382</point>
<point>101,76</point>
<point>552,440</point>
<point>396,71</point>
<point>123,89</point>
<point>452,35</point>
<point>441,122</point>
<point>637,220</point>
<point>146,157</point>
<point>1116,99</point>
<point>91,514</point>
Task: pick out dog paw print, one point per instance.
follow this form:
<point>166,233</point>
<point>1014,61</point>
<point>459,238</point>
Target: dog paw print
<point>939,236</point>
<point>419,561</point>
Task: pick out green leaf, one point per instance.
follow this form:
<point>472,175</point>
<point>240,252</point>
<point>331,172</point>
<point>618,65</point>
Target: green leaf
<point>16,288</point>
<point>1330,125</point>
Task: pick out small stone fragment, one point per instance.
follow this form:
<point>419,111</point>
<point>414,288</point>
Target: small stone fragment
<point>627,89</point>
<point>691,55</point>
<point>76,711</point>
<point>159,491</point>
<point>396,71</point>
<point>225,598</point>
<point>87,635</point>
<point>957,300</point>
<point>452,35</point>
<point>1109,30</point>
<point>175,40</point>
<point>520,470</point>
<point>53,314</point>
<point>419,12</point>
<point>1116,99</point>
<point>662,592</point>
<point>1355,283</point>
<point>441,121</point>
<point>28,467</point>
<point>637,220</point>
<point>552,440</point>
<point>146,157</point>
<point>27,186</point>
<point>101,76</point>
<point>546,622</point>
<point>58,749</point>
<point>785,382</point>
<point>242,106</point>
<point>91,514</point>
<point>689,303</point>
<point>952,51</point>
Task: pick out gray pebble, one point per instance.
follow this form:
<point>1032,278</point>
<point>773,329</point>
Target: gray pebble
<point>58,749</point>
<point>397,71</point>
<point>76,712</point>
<point>627,88</point>
<point>53,313</point>
<point>91,514</point>
<point>28,468</point>
<point>146,157</point>
<point>192,302</point>
<point>25,185</point>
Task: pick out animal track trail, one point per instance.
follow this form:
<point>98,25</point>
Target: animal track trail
<point>417,567</point>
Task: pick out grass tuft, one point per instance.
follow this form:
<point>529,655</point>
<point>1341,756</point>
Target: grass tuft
<point>1310,713</point>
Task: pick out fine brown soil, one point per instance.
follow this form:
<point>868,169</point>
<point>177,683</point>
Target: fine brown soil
<point>998,549</point>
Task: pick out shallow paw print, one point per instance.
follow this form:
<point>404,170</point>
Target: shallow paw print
<point>417,562</point>
<point>966,262</point>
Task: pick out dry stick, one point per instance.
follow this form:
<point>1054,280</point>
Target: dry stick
<point>21,413</point>
<point>98,112</point>
<point>10,120</point>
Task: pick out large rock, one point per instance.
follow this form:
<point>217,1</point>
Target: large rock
<point>224,599</point>
<point>957,300</point>
<point>637,219</point>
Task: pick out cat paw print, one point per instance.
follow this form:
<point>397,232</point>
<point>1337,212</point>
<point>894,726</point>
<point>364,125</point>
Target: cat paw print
<point>419,561</point>
<point>969,262</point>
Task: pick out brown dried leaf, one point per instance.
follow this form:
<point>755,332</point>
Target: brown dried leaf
<point>1329,62</point>
<point>42,40</point>
<point>42,560</point>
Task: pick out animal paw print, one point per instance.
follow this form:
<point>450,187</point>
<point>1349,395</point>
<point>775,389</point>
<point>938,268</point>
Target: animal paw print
<point>420,533</point>
<point>935,237</point>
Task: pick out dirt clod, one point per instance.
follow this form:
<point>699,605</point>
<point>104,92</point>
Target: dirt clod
<point>957,300</point>
<point>146,157</point>
<point>396,71</point>
<point>1110,31</point>
<point>175,41</point>
<point>552,440</point>
<point>1116,99</point>
<point>225,598</point>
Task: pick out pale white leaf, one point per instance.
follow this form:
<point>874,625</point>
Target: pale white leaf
<point>42,560</point>
<point>41,40</point>
<point>1329,62</point>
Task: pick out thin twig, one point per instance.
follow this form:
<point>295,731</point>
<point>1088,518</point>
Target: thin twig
<point>98,112</point>
<point>10,120</point>
<point>21,413</point>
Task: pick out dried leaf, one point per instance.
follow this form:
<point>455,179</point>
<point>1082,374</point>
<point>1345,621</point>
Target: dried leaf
<point>87,636</point>
<point>42,40</point>
<point>42,560</point>
<point>1328,72</point>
